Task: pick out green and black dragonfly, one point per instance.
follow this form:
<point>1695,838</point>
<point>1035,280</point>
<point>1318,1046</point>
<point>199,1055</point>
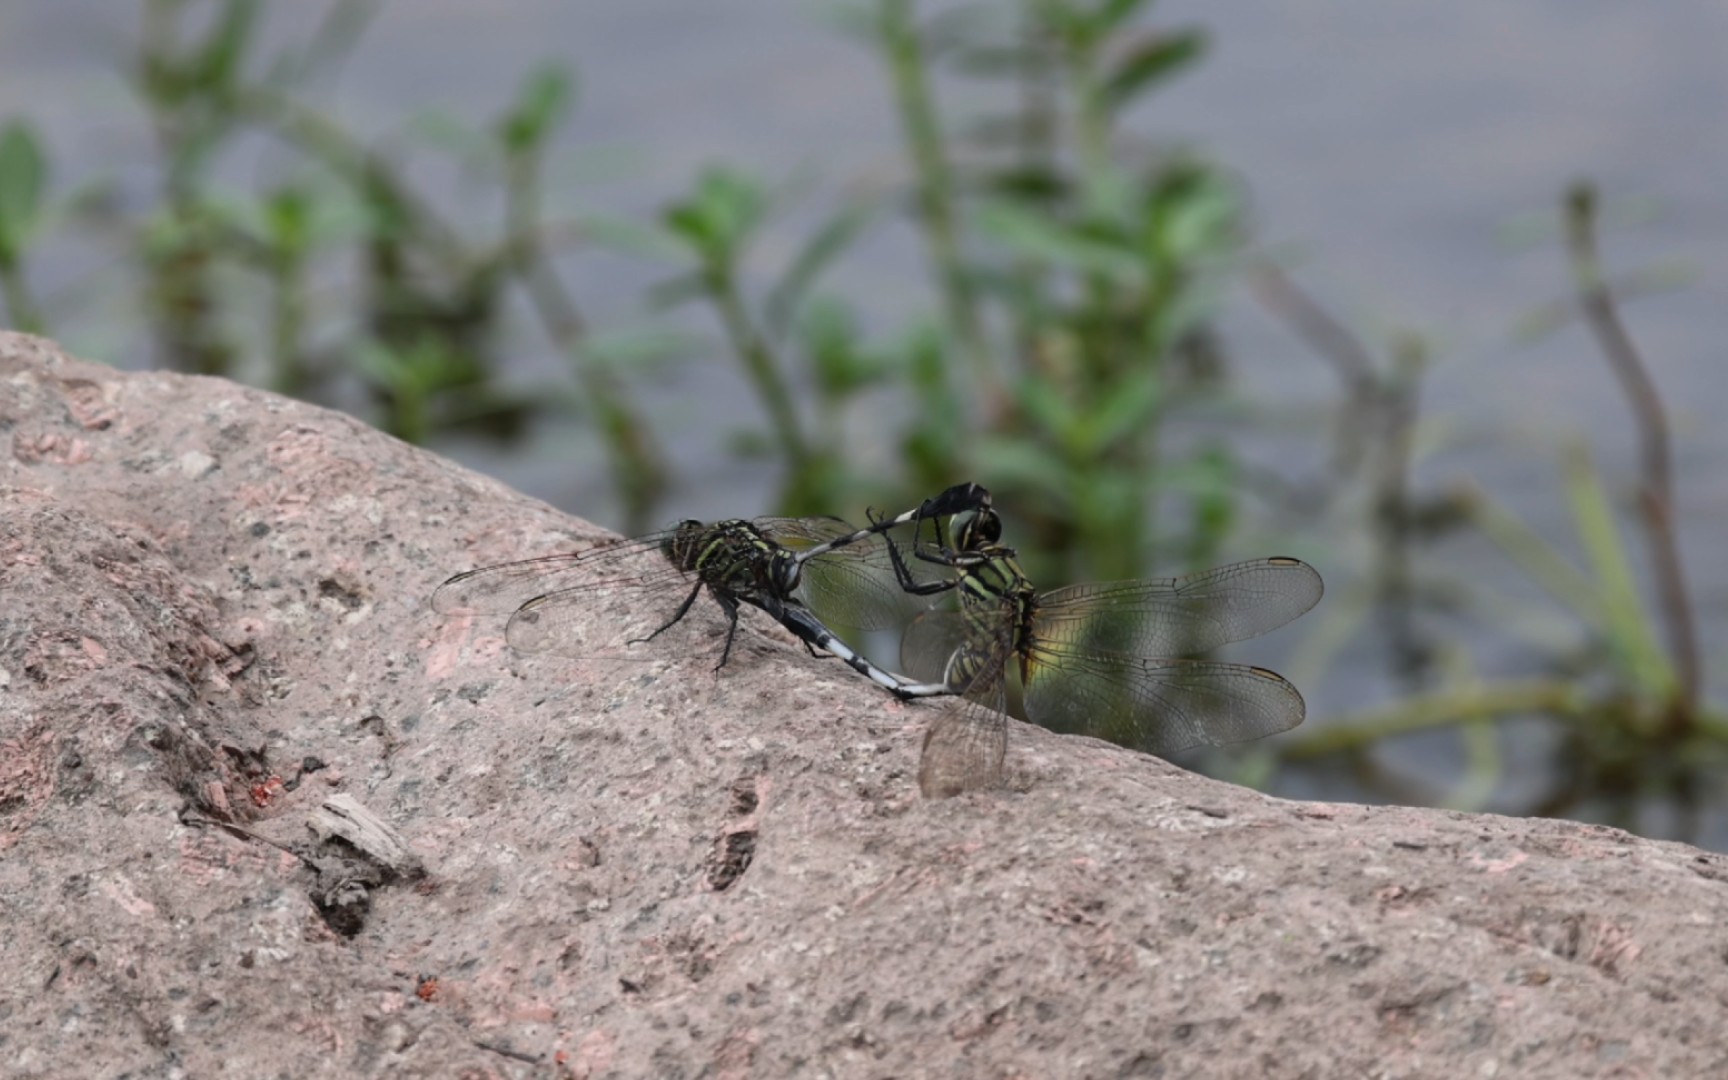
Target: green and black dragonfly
<point>1112,660</point>
<point>600,601</point>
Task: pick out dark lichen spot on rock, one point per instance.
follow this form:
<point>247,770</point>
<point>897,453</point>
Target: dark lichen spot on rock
<point>344,905</point>
<point>348,596</point>
<point>745,797</point>
<point>731,857</point>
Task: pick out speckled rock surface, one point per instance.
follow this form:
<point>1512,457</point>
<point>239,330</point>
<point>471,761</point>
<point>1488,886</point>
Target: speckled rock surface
<point>213,606</point>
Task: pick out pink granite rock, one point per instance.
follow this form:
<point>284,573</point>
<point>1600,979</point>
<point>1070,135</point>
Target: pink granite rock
<point>448,860</point>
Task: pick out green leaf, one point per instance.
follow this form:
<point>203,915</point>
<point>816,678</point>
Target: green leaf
<point>1027,182</point>
<point>451,134</point>
<point>682,289</point>
<point>288,220</point>
<point>217,65</point>
<point>1132,403</point>
<point>1150,62</point>
<point>832,239</point>
<point>540,106</point>
<point>1216,483</point>
<point>830,336</point>
<point>339,32</point>
<point>22,170</point>
<point>634,346</point>
<point>1076,28</point>
<point>1485,766</point>
<point>1191,211</point>
<point>1039,237</point>
<point>1050,411</point>
<point>994,61</point>
<point>627,235</point>
<point>1113,13</point>
<point>687,222</point>
<point>1022,464</point>
<point>750,445</point>
<point>1535,556</point>
<point>718,218</point>
<point>1625,622</point>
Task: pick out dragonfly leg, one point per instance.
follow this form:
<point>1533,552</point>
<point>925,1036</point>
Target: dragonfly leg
<point>683,610</point>
<point>730,606</point>
<point>903,573</point>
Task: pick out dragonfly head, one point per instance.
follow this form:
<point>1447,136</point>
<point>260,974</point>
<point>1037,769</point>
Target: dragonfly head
<point>975,530</point>
<point>784,573</point>
<point>684,544</point>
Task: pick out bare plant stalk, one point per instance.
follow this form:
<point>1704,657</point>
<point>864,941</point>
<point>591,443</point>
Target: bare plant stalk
<point>1655,449</point>
<point>1330,340</point>
<point>1393,576</point>
<point>1381,411</point>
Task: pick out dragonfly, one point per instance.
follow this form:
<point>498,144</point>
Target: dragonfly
<point>1113,660</point>
<point>601,601</point>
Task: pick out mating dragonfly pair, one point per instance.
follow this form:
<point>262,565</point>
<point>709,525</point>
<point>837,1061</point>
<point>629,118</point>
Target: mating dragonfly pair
<point>1115,660</point>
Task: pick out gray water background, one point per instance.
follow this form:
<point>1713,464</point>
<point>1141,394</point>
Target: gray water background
<point>1389,142</point>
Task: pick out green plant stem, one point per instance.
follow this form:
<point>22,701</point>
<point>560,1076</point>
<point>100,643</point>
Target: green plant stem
<point>1035,129</point>
<point>1394,577</point>
<point>1648,669</point>
<point>1091,115</point>
<point>287,322</point>
<point>936,189</point>
<point>22,311</point>
<point>1656,494</point>
<point>638,470</point>
<point>1440,710</point>
<point>761,365</point>
<point>354,162</point>
<point>1535,556</point>
<point>1483,770</point>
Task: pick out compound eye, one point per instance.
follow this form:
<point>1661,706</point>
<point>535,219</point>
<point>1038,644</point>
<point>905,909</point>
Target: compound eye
<point>787,573</point>
<point>977,529</point>
<point>987,528</point>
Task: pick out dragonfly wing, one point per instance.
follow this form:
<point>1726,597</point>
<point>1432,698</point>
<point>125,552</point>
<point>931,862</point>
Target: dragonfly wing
<point>633,619</point>
<point>592,603</point>
<point>936,638</point>
<point>854,585</point>
<point>1179,616</point>
<point>964,748</point>
<point>967,740</point>
<point>1159,706</point>
<point>501,589</point>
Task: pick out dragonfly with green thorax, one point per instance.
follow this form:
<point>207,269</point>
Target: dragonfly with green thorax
<point>604,601</point>
<point>1114,660</point>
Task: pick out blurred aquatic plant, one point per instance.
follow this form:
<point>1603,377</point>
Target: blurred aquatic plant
<point>23,175</point>
<point>1623,699</point>
<point>337,280</point>
<point>1074,272</point>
